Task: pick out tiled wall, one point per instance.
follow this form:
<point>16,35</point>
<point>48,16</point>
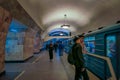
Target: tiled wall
<point>37,43</point>
<point>20,45</point>
<point>14,46</point>
<point>28,43</point>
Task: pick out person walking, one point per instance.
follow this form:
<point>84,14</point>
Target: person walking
<point>51,51</point>
<point>61,47</point>
<point>55,47</point>
<point>80,69</point>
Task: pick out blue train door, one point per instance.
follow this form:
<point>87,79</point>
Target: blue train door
<point>112,52</point>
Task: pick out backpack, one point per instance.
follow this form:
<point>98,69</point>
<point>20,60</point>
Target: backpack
<point>70,58</point>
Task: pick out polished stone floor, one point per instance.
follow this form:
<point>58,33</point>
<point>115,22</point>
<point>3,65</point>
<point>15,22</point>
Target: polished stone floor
<point>39,67</point>
<point>43,69</point>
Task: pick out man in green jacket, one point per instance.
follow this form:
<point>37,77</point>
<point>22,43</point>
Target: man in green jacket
<point>79,60</point>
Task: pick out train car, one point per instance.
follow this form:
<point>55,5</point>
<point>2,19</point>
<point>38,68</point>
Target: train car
<point>103,57</point>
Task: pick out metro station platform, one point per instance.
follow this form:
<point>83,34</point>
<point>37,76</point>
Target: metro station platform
<point>40,68</point>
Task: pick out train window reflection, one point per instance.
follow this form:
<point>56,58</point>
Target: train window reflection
<point>111,46</point>
<point>90,44</point>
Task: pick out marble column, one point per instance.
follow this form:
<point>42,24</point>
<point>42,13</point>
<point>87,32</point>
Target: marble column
<point>5,19</point>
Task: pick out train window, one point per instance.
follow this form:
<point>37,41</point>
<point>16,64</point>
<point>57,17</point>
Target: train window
<point>90,44</point>
<point>111,50</point>
<point>111,45</point>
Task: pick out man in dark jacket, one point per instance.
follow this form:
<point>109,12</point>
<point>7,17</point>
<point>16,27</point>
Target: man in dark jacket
<point>79,60</point>
<point>51,51</point>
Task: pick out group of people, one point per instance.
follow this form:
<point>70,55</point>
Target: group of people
<point>54,47</point>
<point>78,50</point>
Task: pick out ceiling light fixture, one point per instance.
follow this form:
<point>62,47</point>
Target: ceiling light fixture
<point>65,25</point>
<point>61,34</point>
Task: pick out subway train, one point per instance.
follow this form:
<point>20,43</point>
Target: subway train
<point>103,47</point>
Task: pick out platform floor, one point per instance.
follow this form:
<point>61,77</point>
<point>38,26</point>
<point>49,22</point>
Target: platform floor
<point>39,67</point>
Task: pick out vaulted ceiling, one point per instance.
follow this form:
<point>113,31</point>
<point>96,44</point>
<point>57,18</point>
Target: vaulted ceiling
<point>18,13</point>
<point>82,15</point>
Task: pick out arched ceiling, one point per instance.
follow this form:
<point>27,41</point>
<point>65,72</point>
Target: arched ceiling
<point>17,12</point>
<point>59,32</point>
<point>82,15</point>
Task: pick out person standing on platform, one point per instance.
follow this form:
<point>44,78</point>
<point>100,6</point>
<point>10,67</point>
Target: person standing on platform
<point>55,47</point>
<point>80,69</point>
<point>47,46</point>
<point>61,47</point>
<point>84,49</point>
<point>51,51</point>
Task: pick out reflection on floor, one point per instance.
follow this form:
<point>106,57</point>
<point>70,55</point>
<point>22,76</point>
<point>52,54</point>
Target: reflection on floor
<point>39,67</point>
<point>43,69</point>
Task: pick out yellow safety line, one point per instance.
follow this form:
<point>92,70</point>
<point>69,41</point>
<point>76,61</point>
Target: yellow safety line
<point>19,75</point>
